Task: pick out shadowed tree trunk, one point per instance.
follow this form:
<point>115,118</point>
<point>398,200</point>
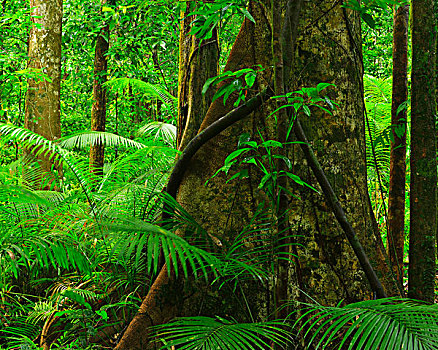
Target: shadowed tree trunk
<point>198,61</point>
<point>98,110</point>
<point>157,67</point>
<point>327,50</point>
<point>397,179</point>
<point>43,109</point>
<point>422,235</point>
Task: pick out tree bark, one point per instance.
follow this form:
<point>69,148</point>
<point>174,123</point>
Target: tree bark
<point>282,44</point>
<point>43,109</point>
<point>198,61</point>
<point>397,178</point>
<point>422,235</point>
<point>98,110</point>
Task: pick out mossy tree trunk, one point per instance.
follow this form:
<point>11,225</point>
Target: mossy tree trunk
<point>198,61</point>
<point>423,206</point>
<point>43,109</point>
<point>329,50</point>
<point>397,179</point>
<point>98,110</point>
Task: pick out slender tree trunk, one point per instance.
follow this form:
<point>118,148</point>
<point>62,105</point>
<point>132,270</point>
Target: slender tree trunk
<point>43,109</point>
<point>423,206</point>
<point>158,102</point>
<point>98,110</point>
<point>397,179</point>
<point>282,44</point>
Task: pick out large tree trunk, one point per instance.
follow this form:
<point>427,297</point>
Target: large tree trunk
<point>330,55</point>
<point>43,109</point>
<point>327,50</point>
<point>98,110</point>
<point>423,206</point>
<point>397,180</point>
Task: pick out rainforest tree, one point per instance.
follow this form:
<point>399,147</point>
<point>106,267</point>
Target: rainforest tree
<point>397,182</point>
<point>423,229</point>
<point>43,94</point>
<point>98,110</point>
<point>223,208</point>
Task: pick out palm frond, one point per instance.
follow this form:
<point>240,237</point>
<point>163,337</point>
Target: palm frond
<point>40,145</point>
<point>248,256</point>
<point>193,333</point>
<point>139,86</point>
<point>145,242</point>
<point>57,250</point>
<point>20,334</point>
<point>151,159</point>
<point>42,310</point>
<point>159,131</point>
<point>383,324</point>
<point>34,142</point>
<point>87,138</point>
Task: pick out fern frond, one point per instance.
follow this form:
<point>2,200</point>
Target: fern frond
<point>378,105</point>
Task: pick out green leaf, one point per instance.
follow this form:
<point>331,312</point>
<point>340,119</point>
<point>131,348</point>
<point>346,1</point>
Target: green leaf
<point>306,110</point>
<point>222,91</point>
<point>250,78</point>
<point>103,314</point>
<point>236,85</point>
<point>402,107</point>
<point>271,143</point>
<point>265,179</point>
<point>298,180</point>
<point>76,297</point>
<point>247,14</point>
<point>322,86</point>
<point>235,154</point>
<point>368,19</point>
<point>243,139</point>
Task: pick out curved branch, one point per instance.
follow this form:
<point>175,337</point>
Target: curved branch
<point>207,134</point>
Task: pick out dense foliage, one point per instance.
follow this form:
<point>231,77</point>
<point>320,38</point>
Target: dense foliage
<point>77,257</point>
